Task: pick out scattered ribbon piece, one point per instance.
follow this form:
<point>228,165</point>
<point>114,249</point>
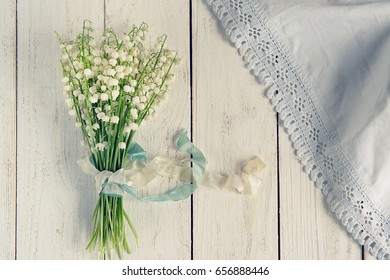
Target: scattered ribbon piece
<point>138,172</point>
<point>248,183</point>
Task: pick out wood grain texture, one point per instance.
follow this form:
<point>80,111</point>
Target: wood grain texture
<point>164,228</point>
<point>55,199</point>
<point>308,228</point>
<point>7,128</point>
<point>232,123</point>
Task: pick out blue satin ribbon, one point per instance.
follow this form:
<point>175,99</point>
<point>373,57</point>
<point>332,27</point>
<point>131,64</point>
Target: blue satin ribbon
<point>180,192</point>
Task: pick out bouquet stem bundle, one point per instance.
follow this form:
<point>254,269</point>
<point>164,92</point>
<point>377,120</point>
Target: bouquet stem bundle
<point>109,220</point>
<point>112,84</point>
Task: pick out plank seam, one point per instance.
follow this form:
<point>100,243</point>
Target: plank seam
<point>191,126</point>
<point>16,129</point>
<point>278,181</point>
<point>104,14</point>
<point>104,28</point>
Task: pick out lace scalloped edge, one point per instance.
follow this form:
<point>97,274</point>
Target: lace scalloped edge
<point>339,204</point>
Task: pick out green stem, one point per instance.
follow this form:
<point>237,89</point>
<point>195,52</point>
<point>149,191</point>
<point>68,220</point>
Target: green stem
<point>108,227</point>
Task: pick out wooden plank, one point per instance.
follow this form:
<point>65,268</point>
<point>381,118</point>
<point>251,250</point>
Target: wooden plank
<point>55,199</point>
<point>368,256</point>
<point>164,228</point>
<point>7,128</point>
<point>308,228</point>
<point>232,123</point>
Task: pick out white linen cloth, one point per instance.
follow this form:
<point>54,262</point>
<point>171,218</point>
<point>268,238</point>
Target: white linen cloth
<point>328,66</point>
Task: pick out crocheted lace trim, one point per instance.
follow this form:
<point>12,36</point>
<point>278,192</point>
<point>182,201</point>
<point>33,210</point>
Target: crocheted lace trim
<point>313,135</point>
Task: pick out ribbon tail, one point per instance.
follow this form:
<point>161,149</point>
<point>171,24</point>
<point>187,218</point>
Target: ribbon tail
<point>176,194</point>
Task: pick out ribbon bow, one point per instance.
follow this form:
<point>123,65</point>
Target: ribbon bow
<point>138,172</point>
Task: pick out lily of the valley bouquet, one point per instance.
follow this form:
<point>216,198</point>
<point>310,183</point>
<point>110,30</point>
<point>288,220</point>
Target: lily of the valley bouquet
<point>111,85</point>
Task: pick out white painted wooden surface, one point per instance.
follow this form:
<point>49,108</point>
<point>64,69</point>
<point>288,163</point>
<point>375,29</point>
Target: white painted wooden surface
<point>231,122</point>
<point>7,128</point>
